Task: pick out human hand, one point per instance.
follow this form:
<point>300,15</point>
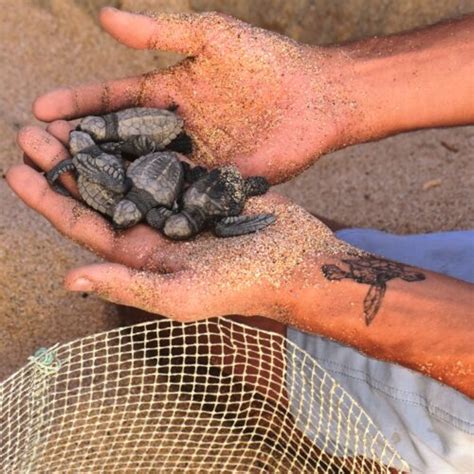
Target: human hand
<point>247,95</point>
<point>192,280</point>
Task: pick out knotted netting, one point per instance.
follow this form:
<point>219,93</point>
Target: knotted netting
<point>211,396</point>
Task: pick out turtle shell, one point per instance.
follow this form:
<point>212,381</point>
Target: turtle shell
<point>102,168</point>
<point>221,192</point>
<point>97,196</point>
<point>161,126</point>
<point>160,174</point>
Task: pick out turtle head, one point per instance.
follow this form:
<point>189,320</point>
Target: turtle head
<point>79,141</point>
<point>94,126</point>
<point>126,214</point>
<point>185,224</point>
<point>179,227</point>
<point>256,186</point>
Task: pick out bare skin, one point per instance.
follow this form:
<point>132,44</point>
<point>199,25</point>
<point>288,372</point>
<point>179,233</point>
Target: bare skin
<point>217,271</point>
<point>237,275</point>
<point>240,91</point>
<point>272,105</point>
<point>281,273</point>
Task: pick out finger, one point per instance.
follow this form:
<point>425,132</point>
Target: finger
<point>179,32</point>
<point>74,102</point>
<point>60,129</point>
<point>164,294</point>
<point>66,214</point>
<point>149,90</point>
<point>139,247</point>
<point>46,152</point>
<point>183,295</point>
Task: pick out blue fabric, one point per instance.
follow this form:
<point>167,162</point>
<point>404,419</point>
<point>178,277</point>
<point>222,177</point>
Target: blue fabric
<point>449,253</point>
<point>430,424</point>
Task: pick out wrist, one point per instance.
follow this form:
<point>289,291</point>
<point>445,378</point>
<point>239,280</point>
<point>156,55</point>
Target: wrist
<point>420,320</point>
<point>315,304</point>
<point>408,81</point>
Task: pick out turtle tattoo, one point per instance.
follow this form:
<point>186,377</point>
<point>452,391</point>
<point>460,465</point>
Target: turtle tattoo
<point>137,131</point>
<point>101,177</point>
<point>375,272</point>
<point>216,199</point>
<point>156,182</point>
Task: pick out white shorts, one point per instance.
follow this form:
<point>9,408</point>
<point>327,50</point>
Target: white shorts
<point>430,424</point>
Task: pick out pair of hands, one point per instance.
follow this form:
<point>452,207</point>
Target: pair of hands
<point>247,96</point>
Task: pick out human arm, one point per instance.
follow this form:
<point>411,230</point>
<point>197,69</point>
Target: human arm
<point>414,80</point>
<point>273,105</point>
<point>295,272</point>
<point>416,318</point>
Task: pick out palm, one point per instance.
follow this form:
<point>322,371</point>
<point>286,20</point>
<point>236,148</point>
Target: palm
<point>185,280</point>
<point>247,95</point>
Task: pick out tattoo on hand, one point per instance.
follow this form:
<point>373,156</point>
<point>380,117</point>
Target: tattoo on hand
<point>375,272</point>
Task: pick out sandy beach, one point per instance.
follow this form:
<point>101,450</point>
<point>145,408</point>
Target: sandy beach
<point>417,182</point>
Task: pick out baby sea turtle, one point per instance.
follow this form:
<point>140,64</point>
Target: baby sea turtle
<point>217,199</point>
<point>137,131</point>
<point>157,180</point>
<point>101,177</point>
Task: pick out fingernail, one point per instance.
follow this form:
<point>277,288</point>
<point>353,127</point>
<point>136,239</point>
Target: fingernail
<point>81,284</point>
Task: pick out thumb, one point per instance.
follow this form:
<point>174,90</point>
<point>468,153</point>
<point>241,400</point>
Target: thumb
<point>178,32</point>
<point>181,295</point>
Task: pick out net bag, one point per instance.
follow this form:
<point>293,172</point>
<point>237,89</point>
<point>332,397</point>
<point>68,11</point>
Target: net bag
<point>211,396</point>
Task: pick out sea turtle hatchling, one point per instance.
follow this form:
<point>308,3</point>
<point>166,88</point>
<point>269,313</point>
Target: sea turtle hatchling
<point>216,200</point>
<point>157,180</point>
<point>137,131</point>
<point>101,177</point>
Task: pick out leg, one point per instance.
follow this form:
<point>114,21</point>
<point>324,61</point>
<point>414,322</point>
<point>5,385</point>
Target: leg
<point>240,225</point>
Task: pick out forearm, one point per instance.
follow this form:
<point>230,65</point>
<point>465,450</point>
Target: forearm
<point>424,324</point>
<point>414,80</point>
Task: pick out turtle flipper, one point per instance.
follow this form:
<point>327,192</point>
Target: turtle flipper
<point>54,173</point>
<point>182,144</point>
<point>256,186</point>
<point>113,148</point>
<point>240,225</point>
<point>192,173</point>
<point>373,301</point>
<point>333,272</point>
<point>139,145</point>
<point>157,216</point>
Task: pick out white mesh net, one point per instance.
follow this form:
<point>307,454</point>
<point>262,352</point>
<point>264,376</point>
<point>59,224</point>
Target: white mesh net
<point>212,396</point>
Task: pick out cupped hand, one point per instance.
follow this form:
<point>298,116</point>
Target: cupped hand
<point>204,277</point>
<point>247,95</point>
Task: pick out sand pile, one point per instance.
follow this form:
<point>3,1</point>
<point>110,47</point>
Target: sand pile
<point>415,182</point>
